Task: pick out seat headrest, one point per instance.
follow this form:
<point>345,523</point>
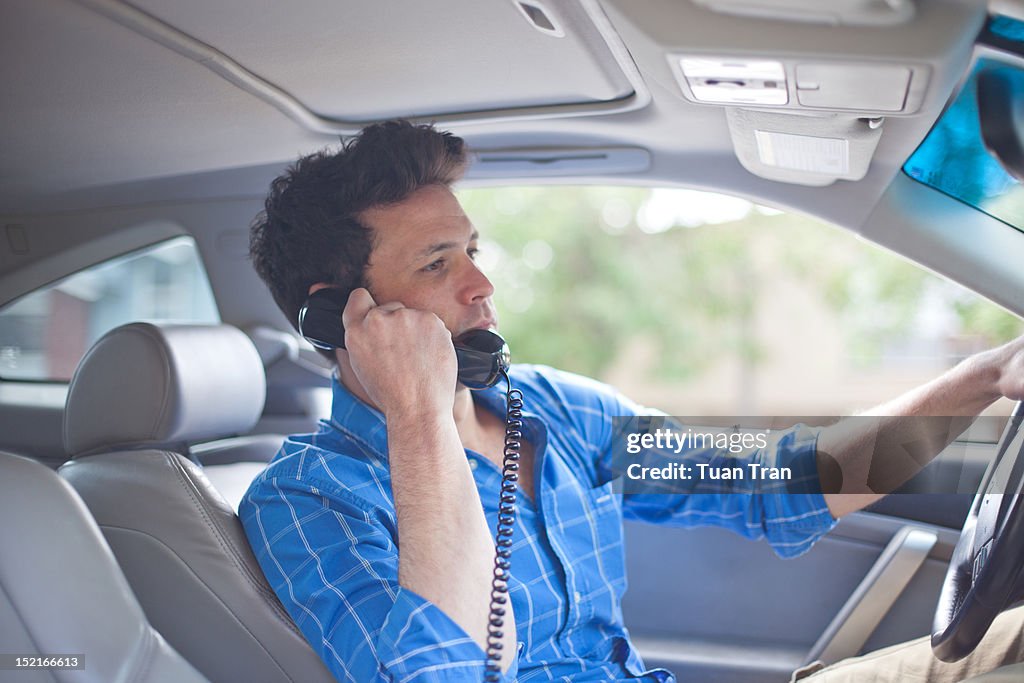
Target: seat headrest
<point>162,385</point>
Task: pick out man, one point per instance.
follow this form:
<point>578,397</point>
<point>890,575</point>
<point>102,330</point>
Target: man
<point>375,532</point>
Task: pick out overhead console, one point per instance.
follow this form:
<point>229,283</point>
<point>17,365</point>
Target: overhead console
<point>805,86</point>
<point>806,83</point>
<point>830,12</point>
<point>840,106</point>
<point>882,89</point>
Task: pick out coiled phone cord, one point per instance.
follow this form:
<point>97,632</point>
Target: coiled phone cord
<point>503,536</point>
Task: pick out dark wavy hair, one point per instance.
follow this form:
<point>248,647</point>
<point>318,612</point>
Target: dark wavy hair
<point>310,229</point>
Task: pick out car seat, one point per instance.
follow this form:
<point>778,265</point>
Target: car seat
<point>62,593</point>
<point>140,395</point>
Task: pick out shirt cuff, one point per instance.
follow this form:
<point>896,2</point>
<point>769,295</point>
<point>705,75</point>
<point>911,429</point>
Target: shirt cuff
<point>796,519</point>
<point>419,643</point>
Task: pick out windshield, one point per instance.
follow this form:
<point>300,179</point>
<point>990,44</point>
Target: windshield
<point>704,304</point>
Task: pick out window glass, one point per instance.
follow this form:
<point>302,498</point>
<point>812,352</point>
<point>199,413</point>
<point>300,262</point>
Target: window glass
<point>701,304</point>
<point>44,334</point>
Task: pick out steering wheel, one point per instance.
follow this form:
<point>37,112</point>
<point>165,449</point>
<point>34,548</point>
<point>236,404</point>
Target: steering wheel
<point>985,575</point>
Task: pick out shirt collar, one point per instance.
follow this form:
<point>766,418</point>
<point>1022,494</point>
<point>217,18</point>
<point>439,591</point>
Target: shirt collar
<point>366,425</point>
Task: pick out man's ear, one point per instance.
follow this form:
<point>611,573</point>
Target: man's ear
<point>317,287</point>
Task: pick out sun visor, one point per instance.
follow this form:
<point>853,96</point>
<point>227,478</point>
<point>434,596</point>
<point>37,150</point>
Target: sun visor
<point>326,65</point>
<point>803,149</point>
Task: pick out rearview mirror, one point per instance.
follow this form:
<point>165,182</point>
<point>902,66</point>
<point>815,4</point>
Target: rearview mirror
<point>1001,115</point>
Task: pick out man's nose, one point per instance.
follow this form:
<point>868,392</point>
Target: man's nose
<point>477,285</point>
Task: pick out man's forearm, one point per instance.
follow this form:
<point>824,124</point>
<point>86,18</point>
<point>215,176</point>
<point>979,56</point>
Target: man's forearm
<point>865,458</point>
<point>446,552</point>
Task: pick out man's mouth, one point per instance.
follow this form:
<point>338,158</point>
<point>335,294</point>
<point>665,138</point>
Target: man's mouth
<point>485,324</point>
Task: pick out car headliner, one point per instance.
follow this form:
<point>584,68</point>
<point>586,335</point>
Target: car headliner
<point>124,123</point>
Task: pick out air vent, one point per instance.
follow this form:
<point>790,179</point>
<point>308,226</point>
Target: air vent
<point>539,17</point>
<point>552,162</point>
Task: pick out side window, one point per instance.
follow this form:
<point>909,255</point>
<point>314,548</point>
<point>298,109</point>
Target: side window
<point>44,334</point>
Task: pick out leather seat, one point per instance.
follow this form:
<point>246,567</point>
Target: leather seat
<point>61,591</point>
<point>140,395</point>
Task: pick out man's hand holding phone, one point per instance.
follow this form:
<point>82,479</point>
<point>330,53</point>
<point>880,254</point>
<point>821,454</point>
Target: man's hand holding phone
<point>403,357</point>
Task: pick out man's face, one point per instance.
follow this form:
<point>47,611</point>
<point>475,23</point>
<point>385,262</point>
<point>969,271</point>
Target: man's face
<point>424,258</point>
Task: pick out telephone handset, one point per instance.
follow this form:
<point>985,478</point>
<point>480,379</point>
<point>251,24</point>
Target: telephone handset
<point>483,357</point>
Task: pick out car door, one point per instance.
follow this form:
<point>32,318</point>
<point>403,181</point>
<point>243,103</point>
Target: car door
<point>711,606</point>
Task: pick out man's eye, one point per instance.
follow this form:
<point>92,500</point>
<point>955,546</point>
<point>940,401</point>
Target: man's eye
<point>436,265</point>
<point>473,251</point>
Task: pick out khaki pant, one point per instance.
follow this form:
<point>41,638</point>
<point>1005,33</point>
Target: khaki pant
<point>913,661</point>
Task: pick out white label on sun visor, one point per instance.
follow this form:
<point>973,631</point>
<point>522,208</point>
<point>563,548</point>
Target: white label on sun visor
<point>830,156</point>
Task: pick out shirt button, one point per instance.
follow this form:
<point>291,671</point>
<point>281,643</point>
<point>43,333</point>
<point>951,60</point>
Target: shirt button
<point>577,597</point>
<point>472,464</point>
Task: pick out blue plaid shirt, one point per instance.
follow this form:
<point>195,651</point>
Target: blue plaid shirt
<point>321,520</point>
